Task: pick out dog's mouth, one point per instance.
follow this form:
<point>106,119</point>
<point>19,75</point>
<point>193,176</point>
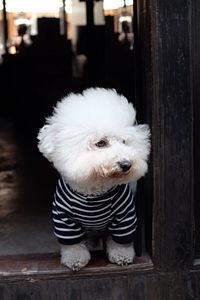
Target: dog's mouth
<point>122,170</point>
<point>117,174</point>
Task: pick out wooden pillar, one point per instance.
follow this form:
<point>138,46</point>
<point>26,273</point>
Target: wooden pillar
<point>90,41</point>
<point>172,135</point>
<point>63,19</point>
<point>5,26</point>
<point>195,50</point>
<point>89,13</point>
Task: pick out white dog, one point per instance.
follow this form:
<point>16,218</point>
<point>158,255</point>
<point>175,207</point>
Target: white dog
<point>93,141</point>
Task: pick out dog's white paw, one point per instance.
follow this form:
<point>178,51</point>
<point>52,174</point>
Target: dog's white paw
<point>75,257</point>
<point>120,254</point>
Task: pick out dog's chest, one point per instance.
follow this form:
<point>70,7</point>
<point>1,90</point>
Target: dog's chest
<point>92,213</point>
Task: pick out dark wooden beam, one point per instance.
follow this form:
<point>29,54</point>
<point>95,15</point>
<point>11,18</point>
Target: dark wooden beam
<point>172,135</point>
<point>64,18</point>
<point>5,26</point>
<point>89,12</point>
<point>90,40</point>
<point>195,49</point>
<point>143,95</point>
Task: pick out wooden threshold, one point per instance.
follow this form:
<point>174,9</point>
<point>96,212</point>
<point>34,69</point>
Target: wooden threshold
<point>49,265</point>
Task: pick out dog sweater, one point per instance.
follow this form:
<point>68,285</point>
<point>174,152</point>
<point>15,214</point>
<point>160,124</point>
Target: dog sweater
<point>74,214</point>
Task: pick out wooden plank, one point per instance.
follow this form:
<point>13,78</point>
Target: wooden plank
<point>194,284</point>
<point>172,134</point>
<point>143,95</point>
<point>48,265</point>
<point>142,286</point>
<point>114,288</point>
<point>195,49</point>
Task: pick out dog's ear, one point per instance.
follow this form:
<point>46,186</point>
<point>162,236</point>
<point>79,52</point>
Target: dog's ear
<point>46,143</point>
<point>143,136</point>
<point>143,130</point>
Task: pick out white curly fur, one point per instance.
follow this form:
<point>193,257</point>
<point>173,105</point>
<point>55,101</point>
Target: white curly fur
<point>69,140</point>
<point>75,256</point>
<point>120,254</point>
<point>79,121</point>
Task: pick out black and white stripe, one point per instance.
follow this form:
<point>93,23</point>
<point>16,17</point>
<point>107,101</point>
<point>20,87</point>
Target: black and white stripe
<point>74,213</point>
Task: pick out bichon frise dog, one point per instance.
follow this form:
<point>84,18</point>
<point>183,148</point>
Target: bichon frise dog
<point>93,141</point>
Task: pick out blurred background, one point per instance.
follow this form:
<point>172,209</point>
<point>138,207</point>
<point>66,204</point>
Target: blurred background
<point>49,48</point>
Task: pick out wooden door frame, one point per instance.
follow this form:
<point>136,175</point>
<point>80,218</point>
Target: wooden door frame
<point>172,138</point>
<point>166,60</point>
<point>165,43</point>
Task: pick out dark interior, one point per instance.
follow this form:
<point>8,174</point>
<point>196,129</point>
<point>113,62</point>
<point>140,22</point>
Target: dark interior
<point>32,81</point>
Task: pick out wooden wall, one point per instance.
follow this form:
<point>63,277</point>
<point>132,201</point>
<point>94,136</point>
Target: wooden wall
<point>136,286</point>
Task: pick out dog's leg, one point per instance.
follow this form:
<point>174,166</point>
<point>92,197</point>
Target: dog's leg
<point>75,256</point>
<point>120,254</point>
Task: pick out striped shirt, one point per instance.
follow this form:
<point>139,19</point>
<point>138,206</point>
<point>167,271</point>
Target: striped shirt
<point>74,214</point>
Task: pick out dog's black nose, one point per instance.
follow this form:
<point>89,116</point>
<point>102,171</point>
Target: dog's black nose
<point>125,165</point>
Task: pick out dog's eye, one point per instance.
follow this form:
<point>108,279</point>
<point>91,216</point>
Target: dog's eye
<point>102,144</point>
<point>124,142</point>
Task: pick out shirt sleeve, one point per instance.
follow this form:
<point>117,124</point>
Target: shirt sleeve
<point>124,222</point>
<point>67,230</point>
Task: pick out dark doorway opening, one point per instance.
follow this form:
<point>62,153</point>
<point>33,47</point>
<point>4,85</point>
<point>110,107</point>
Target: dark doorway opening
<point>33,80</point>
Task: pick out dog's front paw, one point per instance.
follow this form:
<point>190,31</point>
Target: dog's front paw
<point>75,257</point>
<point>120,254</point>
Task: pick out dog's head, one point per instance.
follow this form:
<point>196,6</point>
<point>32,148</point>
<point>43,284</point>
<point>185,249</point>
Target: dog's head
<point>93,141</point>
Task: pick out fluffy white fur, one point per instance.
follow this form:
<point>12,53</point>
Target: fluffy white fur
<point>70,138</point>
<point>75,256</point>
<point>119,253</point>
